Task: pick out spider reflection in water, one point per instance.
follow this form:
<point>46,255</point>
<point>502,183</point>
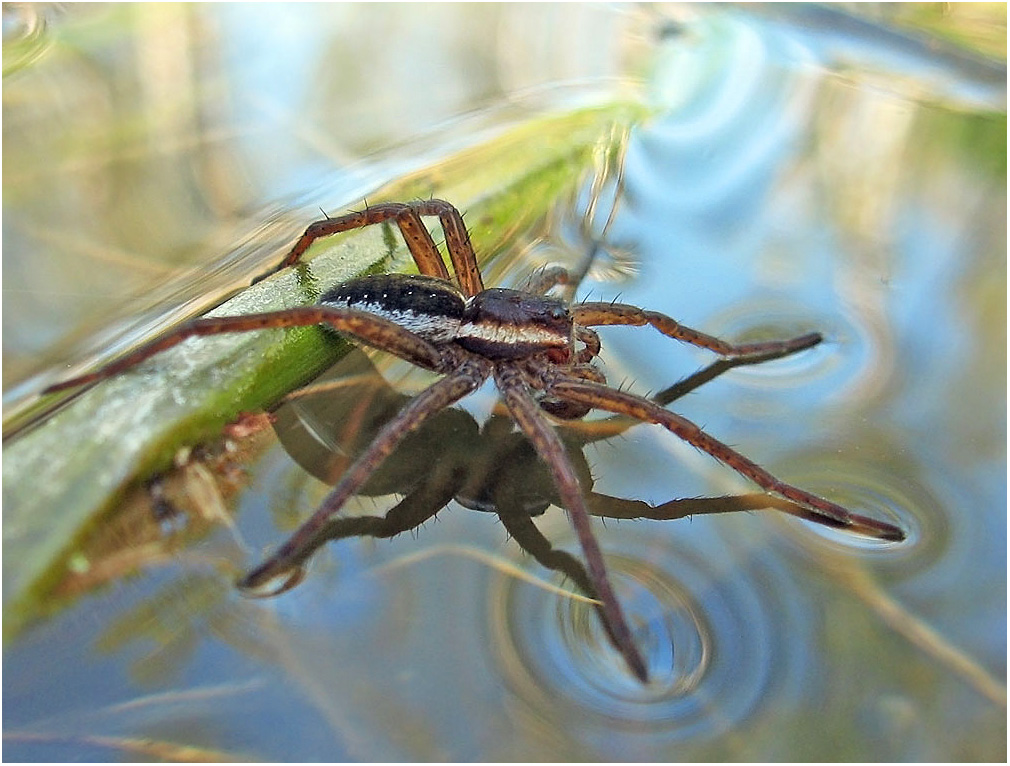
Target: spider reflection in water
<point>538,350</point>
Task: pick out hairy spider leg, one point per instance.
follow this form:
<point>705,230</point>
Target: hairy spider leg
<point>548,445</point>
<point>423,502</point>
<point>367,328</point>
<point>441,394</point>
<point>592,344</point>
<point>598,314</point>
<point>407,216</point>
<point>621,402</point>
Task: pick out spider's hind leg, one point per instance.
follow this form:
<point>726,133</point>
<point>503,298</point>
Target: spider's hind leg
<point>422,247</point>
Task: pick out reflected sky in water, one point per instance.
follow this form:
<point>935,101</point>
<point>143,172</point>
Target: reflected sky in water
<point>803,171</point>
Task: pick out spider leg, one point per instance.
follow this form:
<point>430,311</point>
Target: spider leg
<point>597,314</point>
<point>548,445</point>
<point>457,242</point>
<point>421,504</point>
<point>368,328</point>
<point>605,398</point>
<point>608,507</point>
<point>524,531</point>
<point>407,216</point>
<point>441,394</point>
<point>415,234</point>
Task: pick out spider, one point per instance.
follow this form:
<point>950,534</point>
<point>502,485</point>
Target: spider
<point>538,350</point>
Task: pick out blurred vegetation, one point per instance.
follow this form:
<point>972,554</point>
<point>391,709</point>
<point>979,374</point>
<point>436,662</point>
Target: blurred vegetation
<point>975,27</point>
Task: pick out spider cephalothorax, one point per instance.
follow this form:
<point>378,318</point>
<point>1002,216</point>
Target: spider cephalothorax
<point>538,351</point>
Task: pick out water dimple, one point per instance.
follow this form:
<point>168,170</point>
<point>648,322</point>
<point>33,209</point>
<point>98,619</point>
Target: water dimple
<point>716,638</point>
<point>890,495</point>
<point>833,361</point>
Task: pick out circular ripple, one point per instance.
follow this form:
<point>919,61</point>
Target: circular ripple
<point>717,637</point>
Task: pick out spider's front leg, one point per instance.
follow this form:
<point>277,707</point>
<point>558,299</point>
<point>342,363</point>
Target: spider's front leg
<point>423,249</point>
<point>600,314</point>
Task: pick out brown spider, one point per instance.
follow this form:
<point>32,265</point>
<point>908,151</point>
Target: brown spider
<point>538,350</point>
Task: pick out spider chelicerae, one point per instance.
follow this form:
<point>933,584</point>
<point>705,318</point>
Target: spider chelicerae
<point>538,350</point>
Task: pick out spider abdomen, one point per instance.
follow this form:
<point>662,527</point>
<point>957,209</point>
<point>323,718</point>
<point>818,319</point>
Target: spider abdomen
<point>427,306</point>
<point>509,324</point>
